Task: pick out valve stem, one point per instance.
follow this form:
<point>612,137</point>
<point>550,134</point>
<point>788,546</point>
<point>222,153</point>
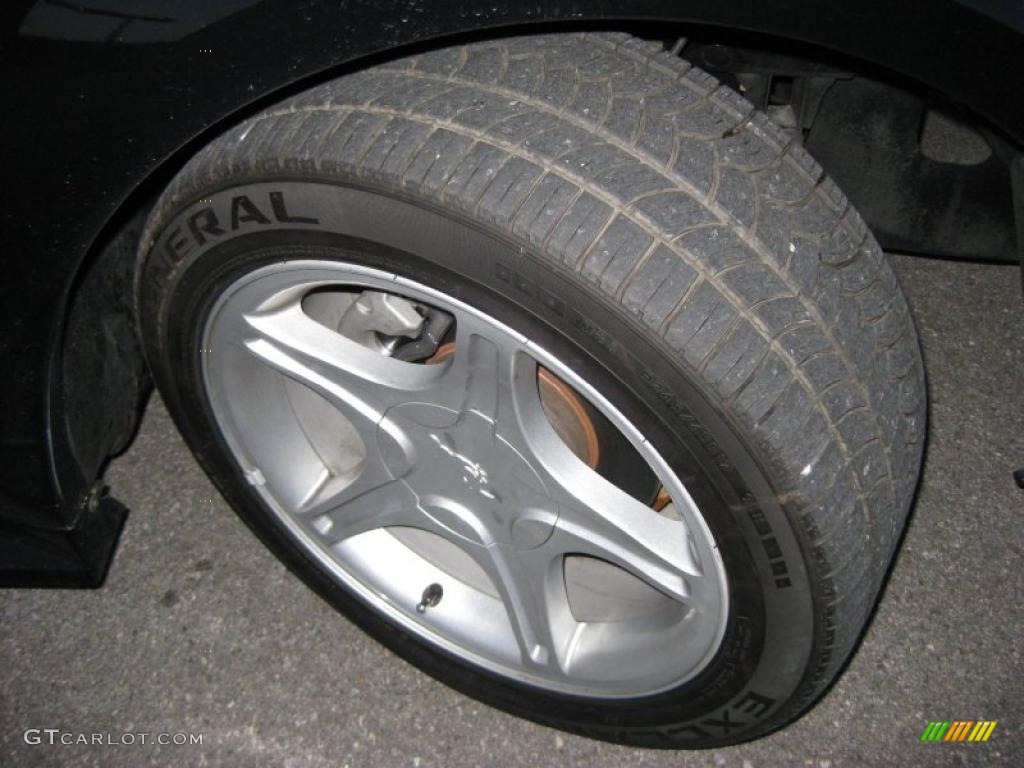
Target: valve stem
<point>431,596</point>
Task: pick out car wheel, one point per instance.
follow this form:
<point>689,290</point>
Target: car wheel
<point>559,369</point>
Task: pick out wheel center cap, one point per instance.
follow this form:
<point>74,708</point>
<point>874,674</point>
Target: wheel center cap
<point>467,477</point>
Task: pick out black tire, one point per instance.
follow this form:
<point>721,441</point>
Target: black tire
<point>667,238</point>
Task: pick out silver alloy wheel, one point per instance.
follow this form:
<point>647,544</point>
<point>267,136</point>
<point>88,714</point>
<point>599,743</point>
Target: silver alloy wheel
<point>443,497</point>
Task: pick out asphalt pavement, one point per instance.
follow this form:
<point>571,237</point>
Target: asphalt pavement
<point>199,630</point>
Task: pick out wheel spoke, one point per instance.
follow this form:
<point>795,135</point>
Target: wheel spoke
<point>484,374</point>
<point>534,599</point>
<point>599,519</point>
<point>362,383</point>
<point>633,537</point>
<point>365,506</point>
<point>596,517</point>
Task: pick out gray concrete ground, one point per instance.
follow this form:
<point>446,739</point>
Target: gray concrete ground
<point>200,630</point>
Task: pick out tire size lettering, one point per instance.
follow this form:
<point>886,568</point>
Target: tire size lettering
<point>780,571</point>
